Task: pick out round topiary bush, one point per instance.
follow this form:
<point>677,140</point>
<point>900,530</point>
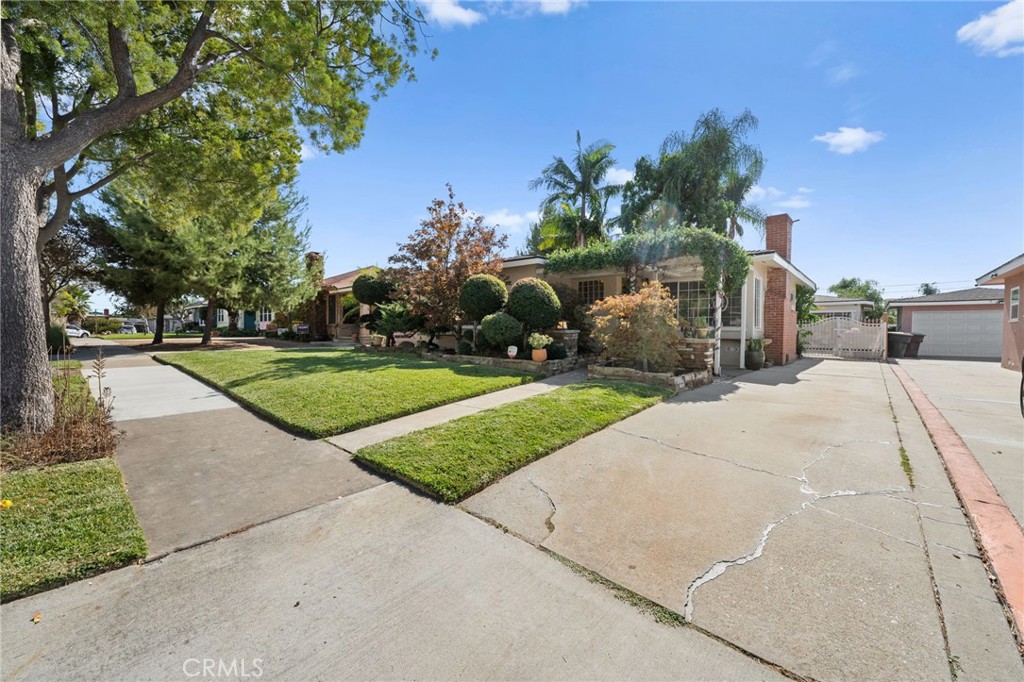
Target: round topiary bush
<point>533,302</point>
<point>501,329</point>
<point>372,288</point>
<point>482,295</point>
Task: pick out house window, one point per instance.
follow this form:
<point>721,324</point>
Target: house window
<point>694,300</point>
<point>222,317</point>
<point>757,303</point>
<point>590,291</point>
<point>266,315</point>
<point>1014,304</point>
<point>332,309</point>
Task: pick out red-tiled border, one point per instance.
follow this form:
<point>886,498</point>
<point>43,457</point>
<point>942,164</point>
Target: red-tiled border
<point>1001,536</point>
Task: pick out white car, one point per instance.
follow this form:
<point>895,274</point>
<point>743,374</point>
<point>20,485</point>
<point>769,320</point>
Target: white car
<point>76,331</point>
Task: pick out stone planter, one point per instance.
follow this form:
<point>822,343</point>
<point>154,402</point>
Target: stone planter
<point>684,381</point>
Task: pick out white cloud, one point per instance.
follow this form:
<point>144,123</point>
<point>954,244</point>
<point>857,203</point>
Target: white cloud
<point>849,140</point>
<point>511,222</point>
<point>999,32</point>
<point>306,152</point>
<point>449,13</point>
<point>804,190</point>
<point>837,75</point>
<point>821,54</point>
<point>619,176</point>
<point>758,193</point>
<point>556,6</point>
<point>526,8</point>
<point>797,201</point>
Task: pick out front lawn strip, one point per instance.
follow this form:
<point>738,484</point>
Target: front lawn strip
<point>326,392</point>
<point>65,522</point>
<point>458,458</point>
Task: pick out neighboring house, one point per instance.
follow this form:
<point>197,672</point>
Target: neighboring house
<point>336,288</point>
<point>765,306</point>
<point>1011,276</point>
<point>854,309</point>
<point>959,324</point>
<point>247,319</point>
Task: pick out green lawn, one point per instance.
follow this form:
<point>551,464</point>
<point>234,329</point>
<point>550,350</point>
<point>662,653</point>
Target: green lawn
<point>326,392</point>
<point>167,335</point>
<point>65,522</point>
<point>456,459</point>
<point>66,364</point>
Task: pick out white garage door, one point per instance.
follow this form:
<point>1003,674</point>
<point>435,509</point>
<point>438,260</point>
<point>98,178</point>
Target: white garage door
<point>967,334</point>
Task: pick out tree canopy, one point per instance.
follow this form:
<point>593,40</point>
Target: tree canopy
<point>865,289</point>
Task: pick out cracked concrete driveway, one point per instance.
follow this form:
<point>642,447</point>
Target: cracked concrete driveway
<point>772,511</point>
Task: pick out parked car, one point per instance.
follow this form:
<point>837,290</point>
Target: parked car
<point>126,329</point>
<point>76,331</point>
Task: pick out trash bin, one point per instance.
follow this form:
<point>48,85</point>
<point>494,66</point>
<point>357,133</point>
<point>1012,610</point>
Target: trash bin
<point>914,345</point>
<point>898,344</point>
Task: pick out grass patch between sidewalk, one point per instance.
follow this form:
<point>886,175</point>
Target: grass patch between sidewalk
<point>327,392</point>
<point>65,522</point>
<point>454,460</point>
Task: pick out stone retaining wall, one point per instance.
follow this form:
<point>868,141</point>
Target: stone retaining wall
<point>677,382</point>
<point>547,368</point>
<point>696,354</point>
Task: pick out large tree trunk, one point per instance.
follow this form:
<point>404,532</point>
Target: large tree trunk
<point>158,333</point>
<point>211,320</point>
<point>26,391</point>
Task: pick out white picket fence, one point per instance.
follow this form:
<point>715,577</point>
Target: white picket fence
<point>839,337</point>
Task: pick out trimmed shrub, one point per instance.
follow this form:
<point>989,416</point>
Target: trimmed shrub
<point>501,330</point>
<point>482,295</point>
<point>557,351</point>
<point>533,302</point>
<point>372,288</point>
<point>57,340</point>
<point>638,330</point>
<point>101,325</point>
<point>465,348</point>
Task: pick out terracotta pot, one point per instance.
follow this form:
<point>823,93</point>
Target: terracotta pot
<point>539,354</point>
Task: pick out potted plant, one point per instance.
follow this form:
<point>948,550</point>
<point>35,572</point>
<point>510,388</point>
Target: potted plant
<point>700,324</point>
<point>755,354</point>
<point>539,344</point>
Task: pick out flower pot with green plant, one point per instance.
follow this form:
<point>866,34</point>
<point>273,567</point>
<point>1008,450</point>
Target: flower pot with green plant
<point>700,326</point>
<point>539,343</point>
<point>755,354</point>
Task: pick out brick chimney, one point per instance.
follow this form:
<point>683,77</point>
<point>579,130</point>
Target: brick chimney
<point>779,235</point>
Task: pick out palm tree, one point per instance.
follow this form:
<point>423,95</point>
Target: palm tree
<point>575,191</point>
<point>737,186</point>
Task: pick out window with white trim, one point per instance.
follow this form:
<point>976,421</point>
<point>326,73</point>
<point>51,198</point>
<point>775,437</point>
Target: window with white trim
<point>757,303</point>
<point>266,315</point>
<point>222,317</point>
<point>1014,304</point>
<point>590,291</point>
<point>694,300</point>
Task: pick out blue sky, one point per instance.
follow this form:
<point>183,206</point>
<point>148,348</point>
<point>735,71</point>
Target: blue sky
<point>929,187</point>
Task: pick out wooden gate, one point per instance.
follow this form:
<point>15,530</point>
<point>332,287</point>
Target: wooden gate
<point>839,337</point>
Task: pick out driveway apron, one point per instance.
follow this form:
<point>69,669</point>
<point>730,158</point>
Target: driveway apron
<point>771,511</point>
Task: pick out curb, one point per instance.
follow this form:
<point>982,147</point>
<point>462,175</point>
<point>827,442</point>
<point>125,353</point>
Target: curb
<point>1000,536</point>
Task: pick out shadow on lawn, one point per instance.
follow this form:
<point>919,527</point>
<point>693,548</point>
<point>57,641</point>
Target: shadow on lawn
<point>294,363</point>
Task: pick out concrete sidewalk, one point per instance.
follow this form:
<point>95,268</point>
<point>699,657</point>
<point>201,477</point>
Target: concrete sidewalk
<point>198,466</point>
<point>773,511</point>
<point>354,440</point>
<point>380,585</point>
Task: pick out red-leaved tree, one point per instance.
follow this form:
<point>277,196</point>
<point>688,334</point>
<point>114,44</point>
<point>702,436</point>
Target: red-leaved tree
<point>449,247</point>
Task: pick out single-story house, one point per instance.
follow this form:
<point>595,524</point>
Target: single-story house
<point>764,307</point>
<point>337,288</point>
<point>1011,276</point>
<point>962,324</point>
<point>826,307</point>
<point>247,319</point>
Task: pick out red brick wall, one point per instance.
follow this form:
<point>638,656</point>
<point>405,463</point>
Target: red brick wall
<point>778,235</point>
<point>780,317</point>
<point>1013,332</point>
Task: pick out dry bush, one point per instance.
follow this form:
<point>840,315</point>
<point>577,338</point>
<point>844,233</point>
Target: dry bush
<point>638,330</point>
<point>83,427</point>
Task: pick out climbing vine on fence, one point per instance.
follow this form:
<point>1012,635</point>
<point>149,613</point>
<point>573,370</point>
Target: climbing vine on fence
<point>721,257</point>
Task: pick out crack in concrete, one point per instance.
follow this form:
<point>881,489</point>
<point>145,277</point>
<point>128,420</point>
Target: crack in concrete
<point>720,567</point>
<point>864,525</point>
<point>554,509</point>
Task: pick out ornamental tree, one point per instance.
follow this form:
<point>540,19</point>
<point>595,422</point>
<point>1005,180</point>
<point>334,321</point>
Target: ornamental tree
<point>638,329</point>
<point>533,302</point>
<point>480,296</point>
<point>130,83</point>
<point>450,246</point>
